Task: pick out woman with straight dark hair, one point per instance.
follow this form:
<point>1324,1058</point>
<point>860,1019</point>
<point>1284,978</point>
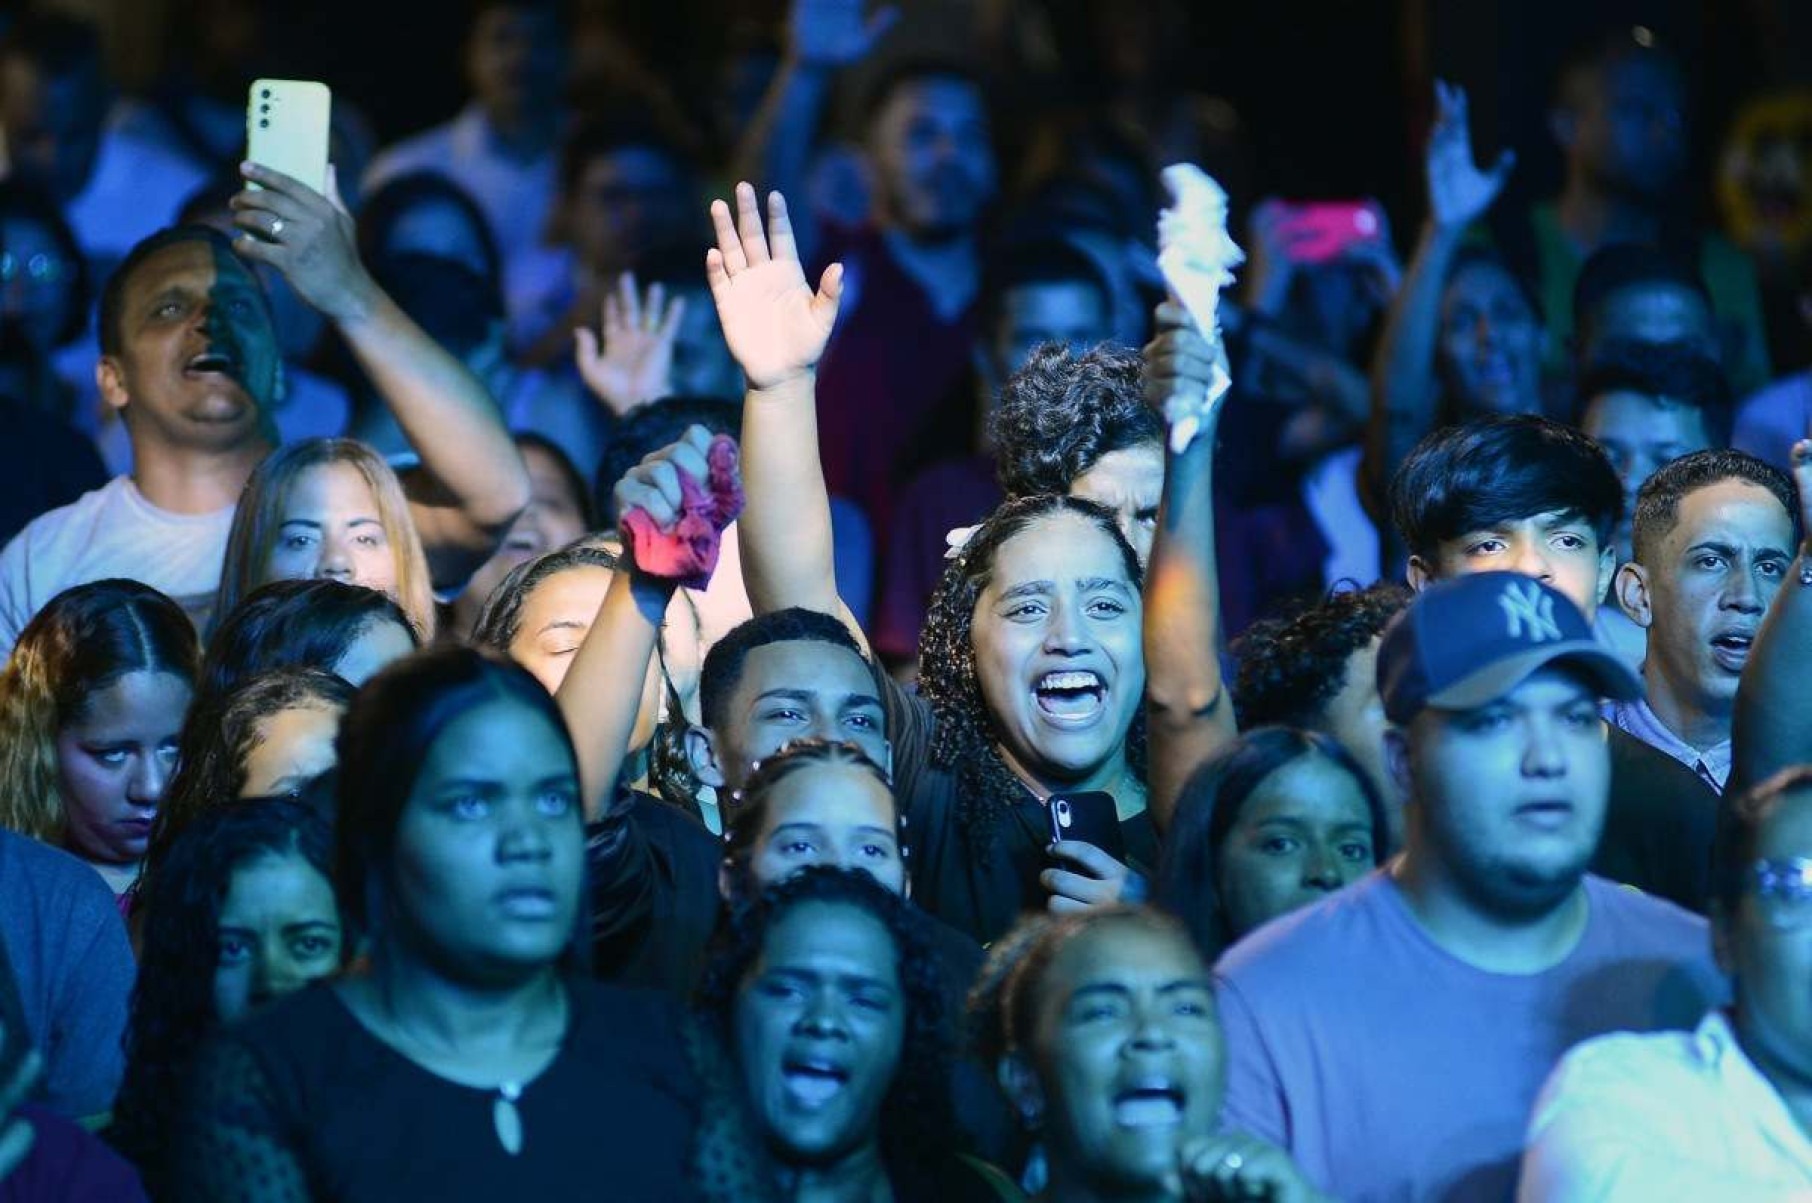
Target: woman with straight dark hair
<point>1276,820</point>
<point>470,1058</point>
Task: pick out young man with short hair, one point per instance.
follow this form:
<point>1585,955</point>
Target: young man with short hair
<point>1454,978</point>
<point>1714,537</point>
<point>1529,495</point>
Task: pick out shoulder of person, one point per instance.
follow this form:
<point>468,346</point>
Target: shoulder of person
<point>49,876</point>
<point>1272,958</point>
<point>50,526</point>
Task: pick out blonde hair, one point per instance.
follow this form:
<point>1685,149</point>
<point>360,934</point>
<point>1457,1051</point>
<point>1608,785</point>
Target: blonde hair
<point>259,518</point>
<point>85,639</point>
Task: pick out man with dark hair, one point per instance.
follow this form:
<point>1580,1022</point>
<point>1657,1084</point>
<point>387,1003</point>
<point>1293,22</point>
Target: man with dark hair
<point>1647,404</point>
<point>190,360</point>
<point>501,147</point>
<point>114,189</point>
<point>1714,539</point>
<point>1529,495</point>
<point>1465,968</point>
<point>1619,116</point>
<point>1039,298</point>
<point>1720,1112</point>
<point>914,263</point>
<point>1318,671</point>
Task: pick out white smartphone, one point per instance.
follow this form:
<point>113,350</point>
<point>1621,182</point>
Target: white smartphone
<point>286,128</point>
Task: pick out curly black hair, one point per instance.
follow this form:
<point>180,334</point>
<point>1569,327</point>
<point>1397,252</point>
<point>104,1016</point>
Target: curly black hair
<point>916,1123</point>
<point>1061,412</point>
<point>173,1000</point>
<point>965,740</point>
<point>1290,669</point>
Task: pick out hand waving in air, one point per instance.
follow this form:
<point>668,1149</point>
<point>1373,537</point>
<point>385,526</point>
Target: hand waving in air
<point>833,33</point>
<point>632,364</point>
<point>775,324</point>
<point>1459,192</point>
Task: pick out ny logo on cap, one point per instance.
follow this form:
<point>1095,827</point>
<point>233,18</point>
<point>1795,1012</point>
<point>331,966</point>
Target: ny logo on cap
<point>1528,613</point>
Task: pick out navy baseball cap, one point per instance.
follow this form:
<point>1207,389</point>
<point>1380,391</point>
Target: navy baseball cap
<point>1465,642</point>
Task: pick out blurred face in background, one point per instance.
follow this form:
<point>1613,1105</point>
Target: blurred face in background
<point>933,156</point>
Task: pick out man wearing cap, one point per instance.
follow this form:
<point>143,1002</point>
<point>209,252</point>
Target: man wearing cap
<point>1393,1038</point>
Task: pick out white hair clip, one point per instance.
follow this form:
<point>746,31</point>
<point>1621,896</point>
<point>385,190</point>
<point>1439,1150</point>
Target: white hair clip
<point>956,540</point>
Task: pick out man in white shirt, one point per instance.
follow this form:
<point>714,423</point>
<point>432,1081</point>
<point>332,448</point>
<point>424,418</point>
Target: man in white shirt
<point>1713,539</point>
<point>190,359</point>
<point>1723,1112</point>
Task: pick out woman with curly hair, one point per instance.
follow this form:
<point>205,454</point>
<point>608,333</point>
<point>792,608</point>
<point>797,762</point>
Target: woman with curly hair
<point>1033,671</point>
<point>243,913</point>
<point>91,704</point>
<point>1103,1028</point>
<point>1276,820</point>
<point>824,1051</point>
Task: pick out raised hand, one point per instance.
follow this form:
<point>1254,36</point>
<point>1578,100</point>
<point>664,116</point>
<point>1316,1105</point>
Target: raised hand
<point>1459,192</point>
<point>307,236</point>
<point>1802,479</point>
<point>632,366</point>
<point>1180,366</point>
<point>775,324</point>
<point>832,33</point>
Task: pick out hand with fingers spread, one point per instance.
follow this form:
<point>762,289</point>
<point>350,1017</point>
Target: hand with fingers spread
<point>307,236</point>
<point>634,363</point>
<point>1459,191</point>
<point>1102,880</point>
<point>776,325</point>
<point>15,1089</point>
<point>833,33</point>
<point>1231,1167</point>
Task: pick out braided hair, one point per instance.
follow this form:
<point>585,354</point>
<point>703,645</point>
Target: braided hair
<point>964,739</point>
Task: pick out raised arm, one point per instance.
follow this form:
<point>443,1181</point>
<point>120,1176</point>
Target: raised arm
<point>1770,731</point>
<point>476,483</point>
<point>823,36</point>
<point>1404,389</point>
<point>601,697</point>
<point>1187,706</point>
<point>777,327</point>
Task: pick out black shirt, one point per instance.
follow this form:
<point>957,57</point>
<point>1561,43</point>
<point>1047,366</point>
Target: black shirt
<point>981,896</point>
<point>301,1102</point>
<point>1658,826</point>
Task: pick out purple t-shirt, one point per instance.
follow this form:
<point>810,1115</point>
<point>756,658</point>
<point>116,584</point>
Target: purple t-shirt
<point>1392,1070</point>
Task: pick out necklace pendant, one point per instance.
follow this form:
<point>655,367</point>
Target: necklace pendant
<point>506,1119</point>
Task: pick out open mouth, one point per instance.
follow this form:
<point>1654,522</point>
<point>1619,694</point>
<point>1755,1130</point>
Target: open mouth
<point>1731,649</point>
<point>1151,1105</point>
<point>1071,697</point>
<point>813,1083</point>
<point>212,362</point>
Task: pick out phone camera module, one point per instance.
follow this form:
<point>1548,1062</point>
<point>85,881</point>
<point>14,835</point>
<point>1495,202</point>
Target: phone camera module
<point>1062,809</point>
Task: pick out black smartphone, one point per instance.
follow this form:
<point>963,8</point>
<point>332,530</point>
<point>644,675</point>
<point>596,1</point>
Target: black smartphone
<point>1090,817</point>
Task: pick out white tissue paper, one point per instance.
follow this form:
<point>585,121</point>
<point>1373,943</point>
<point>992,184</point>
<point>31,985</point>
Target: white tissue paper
<point>1197,258</point>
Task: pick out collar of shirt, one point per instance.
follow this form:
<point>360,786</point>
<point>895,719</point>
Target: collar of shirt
<point>1746,1091</point>
<point>1639,719</point>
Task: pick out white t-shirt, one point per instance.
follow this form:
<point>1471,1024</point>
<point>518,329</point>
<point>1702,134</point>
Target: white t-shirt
<point>111,532</point>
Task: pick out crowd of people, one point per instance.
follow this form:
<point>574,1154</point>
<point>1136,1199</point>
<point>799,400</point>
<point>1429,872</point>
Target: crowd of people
<point>622,653</point>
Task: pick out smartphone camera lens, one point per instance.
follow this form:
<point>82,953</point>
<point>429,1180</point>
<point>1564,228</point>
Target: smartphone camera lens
<point>264,108</point>
<point>264,123</point>
<point>265,93</point>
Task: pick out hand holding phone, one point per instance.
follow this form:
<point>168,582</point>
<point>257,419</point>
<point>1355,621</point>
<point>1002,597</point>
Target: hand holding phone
<point>1322,231</point>
<point>1089,818</point>
<point>287,123</point>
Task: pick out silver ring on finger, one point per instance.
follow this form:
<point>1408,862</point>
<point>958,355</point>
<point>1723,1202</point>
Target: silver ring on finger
<point>276,226</point>
<point>1233,1161</point>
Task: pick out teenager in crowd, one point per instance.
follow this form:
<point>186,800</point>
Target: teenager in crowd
<point>1504,951</point>
<point>1034,638</point>
<point>1718,1111</point>
<point>468,1049</point>
<point>1318,671</point>
<point>94,697</point>
<point>1528,495</point>
<point>825,1029</point>
<point>1276,820</point>
<point>1103,1029</point>
<point>189,357</point>
<point>243,913</point>
<point>1714,539</point>
<point>344,629</point>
